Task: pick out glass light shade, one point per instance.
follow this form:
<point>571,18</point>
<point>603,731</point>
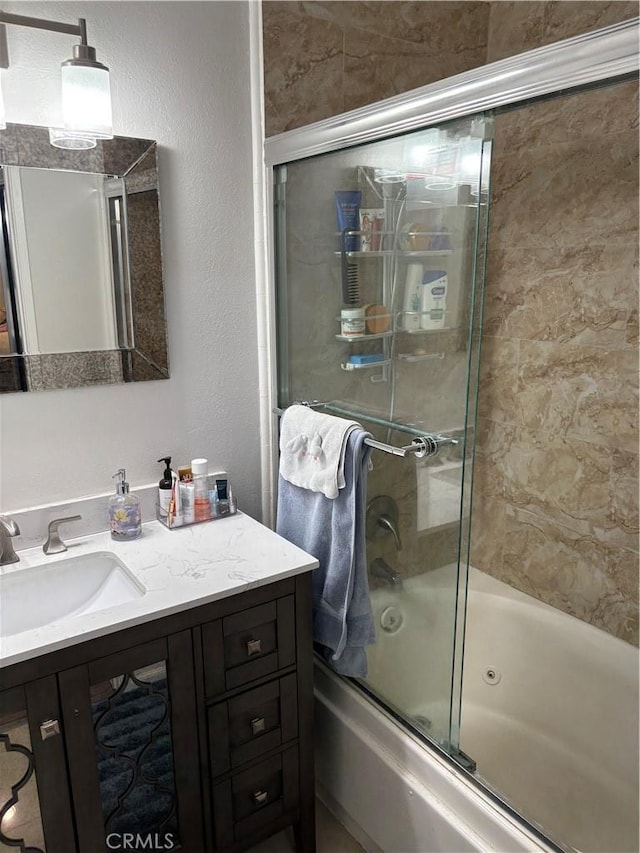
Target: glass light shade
<point>86,100</point>
<point>61,138</point>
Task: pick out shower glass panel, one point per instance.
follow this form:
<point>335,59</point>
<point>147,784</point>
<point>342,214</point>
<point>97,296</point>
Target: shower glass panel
<point>551,645</point>
<point>380,264</point>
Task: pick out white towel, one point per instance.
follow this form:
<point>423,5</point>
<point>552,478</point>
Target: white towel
<point>312,448</point>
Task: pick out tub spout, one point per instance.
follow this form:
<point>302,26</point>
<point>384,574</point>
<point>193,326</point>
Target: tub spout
<point>379,568</point>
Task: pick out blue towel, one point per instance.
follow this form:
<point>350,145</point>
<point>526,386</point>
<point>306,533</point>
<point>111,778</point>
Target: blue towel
<point>333,530</point>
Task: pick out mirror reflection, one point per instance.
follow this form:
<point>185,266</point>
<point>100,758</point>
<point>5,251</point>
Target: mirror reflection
<point>81,290</point>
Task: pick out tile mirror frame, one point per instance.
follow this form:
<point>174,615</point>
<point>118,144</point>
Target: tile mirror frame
<point>142,354</point>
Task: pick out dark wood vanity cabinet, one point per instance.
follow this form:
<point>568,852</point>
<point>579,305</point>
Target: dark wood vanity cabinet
<point>194,730</point>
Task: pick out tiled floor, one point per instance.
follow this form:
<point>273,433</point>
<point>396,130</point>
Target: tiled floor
<point>331,837</point>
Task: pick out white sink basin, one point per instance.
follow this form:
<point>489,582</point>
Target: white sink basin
<point>53,592</point>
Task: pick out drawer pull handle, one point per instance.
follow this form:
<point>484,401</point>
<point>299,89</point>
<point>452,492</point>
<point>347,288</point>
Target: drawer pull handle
<point>257,726</point>
<point>49,728</point>
<point>254,647</point>
<point>260,798</point>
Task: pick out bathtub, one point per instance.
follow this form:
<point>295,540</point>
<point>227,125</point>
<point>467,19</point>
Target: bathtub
<point>550,715</point>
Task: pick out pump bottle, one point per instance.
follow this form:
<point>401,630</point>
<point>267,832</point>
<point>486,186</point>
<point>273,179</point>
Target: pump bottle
<point>124,511</point>
<point>165,487</point>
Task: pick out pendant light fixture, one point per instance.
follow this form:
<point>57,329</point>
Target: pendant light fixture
<point>86,93</point>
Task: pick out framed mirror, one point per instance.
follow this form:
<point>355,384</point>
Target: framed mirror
<point>81,285</point>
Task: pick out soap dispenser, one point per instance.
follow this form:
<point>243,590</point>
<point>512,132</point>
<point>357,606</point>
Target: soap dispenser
<point>124,511</point>
<point>165,487</point>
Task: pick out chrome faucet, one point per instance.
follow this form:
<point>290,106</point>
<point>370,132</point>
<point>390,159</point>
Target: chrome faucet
<point>8,529</point>
<point>379,568</point>
<point>54,544</point>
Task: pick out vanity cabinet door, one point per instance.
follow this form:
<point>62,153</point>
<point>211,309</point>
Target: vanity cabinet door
<point>35,806</point>
<point>132,748</point>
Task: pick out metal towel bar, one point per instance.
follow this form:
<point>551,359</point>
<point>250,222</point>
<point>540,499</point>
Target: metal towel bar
<point>421,446</point>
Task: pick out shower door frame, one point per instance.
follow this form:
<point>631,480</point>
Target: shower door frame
<point>608,55</point>
<point>603,56</point>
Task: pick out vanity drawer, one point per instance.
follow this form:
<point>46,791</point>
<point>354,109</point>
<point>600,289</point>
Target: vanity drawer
<point>255,797</point>
<point>254,643</point>
<point>244,728</point>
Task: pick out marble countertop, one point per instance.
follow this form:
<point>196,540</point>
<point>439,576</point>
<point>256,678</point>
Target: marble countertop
<point>180,569</point>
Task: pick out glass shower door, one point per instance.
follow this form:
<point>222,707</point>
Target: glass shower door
<point>380,261</point>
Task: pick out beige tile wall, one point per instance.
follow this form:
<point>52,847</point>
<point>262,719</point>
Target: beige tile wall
<point>322,58</point>
<point>556,485</point>
<point>556,491</point>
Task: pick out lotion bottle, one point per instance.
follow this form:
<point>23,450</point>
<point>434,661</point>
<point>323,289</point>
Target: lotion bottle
<point>124,511</point>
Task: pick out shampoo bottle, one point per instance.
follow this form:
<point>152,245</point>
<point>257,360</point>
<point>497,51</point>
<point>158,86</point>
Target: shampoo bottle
<point>124,511</point>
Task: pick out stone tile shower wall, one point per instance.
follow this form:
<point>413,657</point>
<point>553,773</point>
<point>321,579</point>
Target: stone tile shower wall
<point>323,58</point>
<point>555,496</point>
<point>556,488</point>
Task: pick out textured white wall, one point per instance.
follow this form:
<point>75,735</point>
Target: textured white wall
<point>180,75</point>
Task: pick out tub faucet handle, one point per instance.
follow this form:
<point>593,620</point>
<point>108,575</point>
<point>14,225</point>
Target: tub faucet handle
<point>389,524</point>
<point>383,518</point>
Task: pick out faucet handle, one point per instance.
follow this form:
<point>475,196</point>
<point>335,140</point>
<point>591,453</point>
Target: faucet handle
<point>391,525</point>
<point>54,544</point>
<point>8,528</point>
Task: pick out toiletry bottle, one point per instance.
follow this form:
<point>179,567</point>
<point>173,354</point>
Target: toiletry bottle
<point>185,485</point>
<point>201,505</point>
<point>165,487</point>
<point>352,322</point>
<point>225,503</point>
<point>434,299</point>
<point>124,511</point>
<point>222,505</point>
<point>412,298</point>
<point>213,499</point>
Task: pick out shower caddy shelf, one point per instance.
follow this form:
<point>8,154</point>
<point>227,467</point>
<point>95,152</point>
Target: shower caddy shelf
<point>397,254</point>
<point>397,329</point>
<point>365,337</point>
